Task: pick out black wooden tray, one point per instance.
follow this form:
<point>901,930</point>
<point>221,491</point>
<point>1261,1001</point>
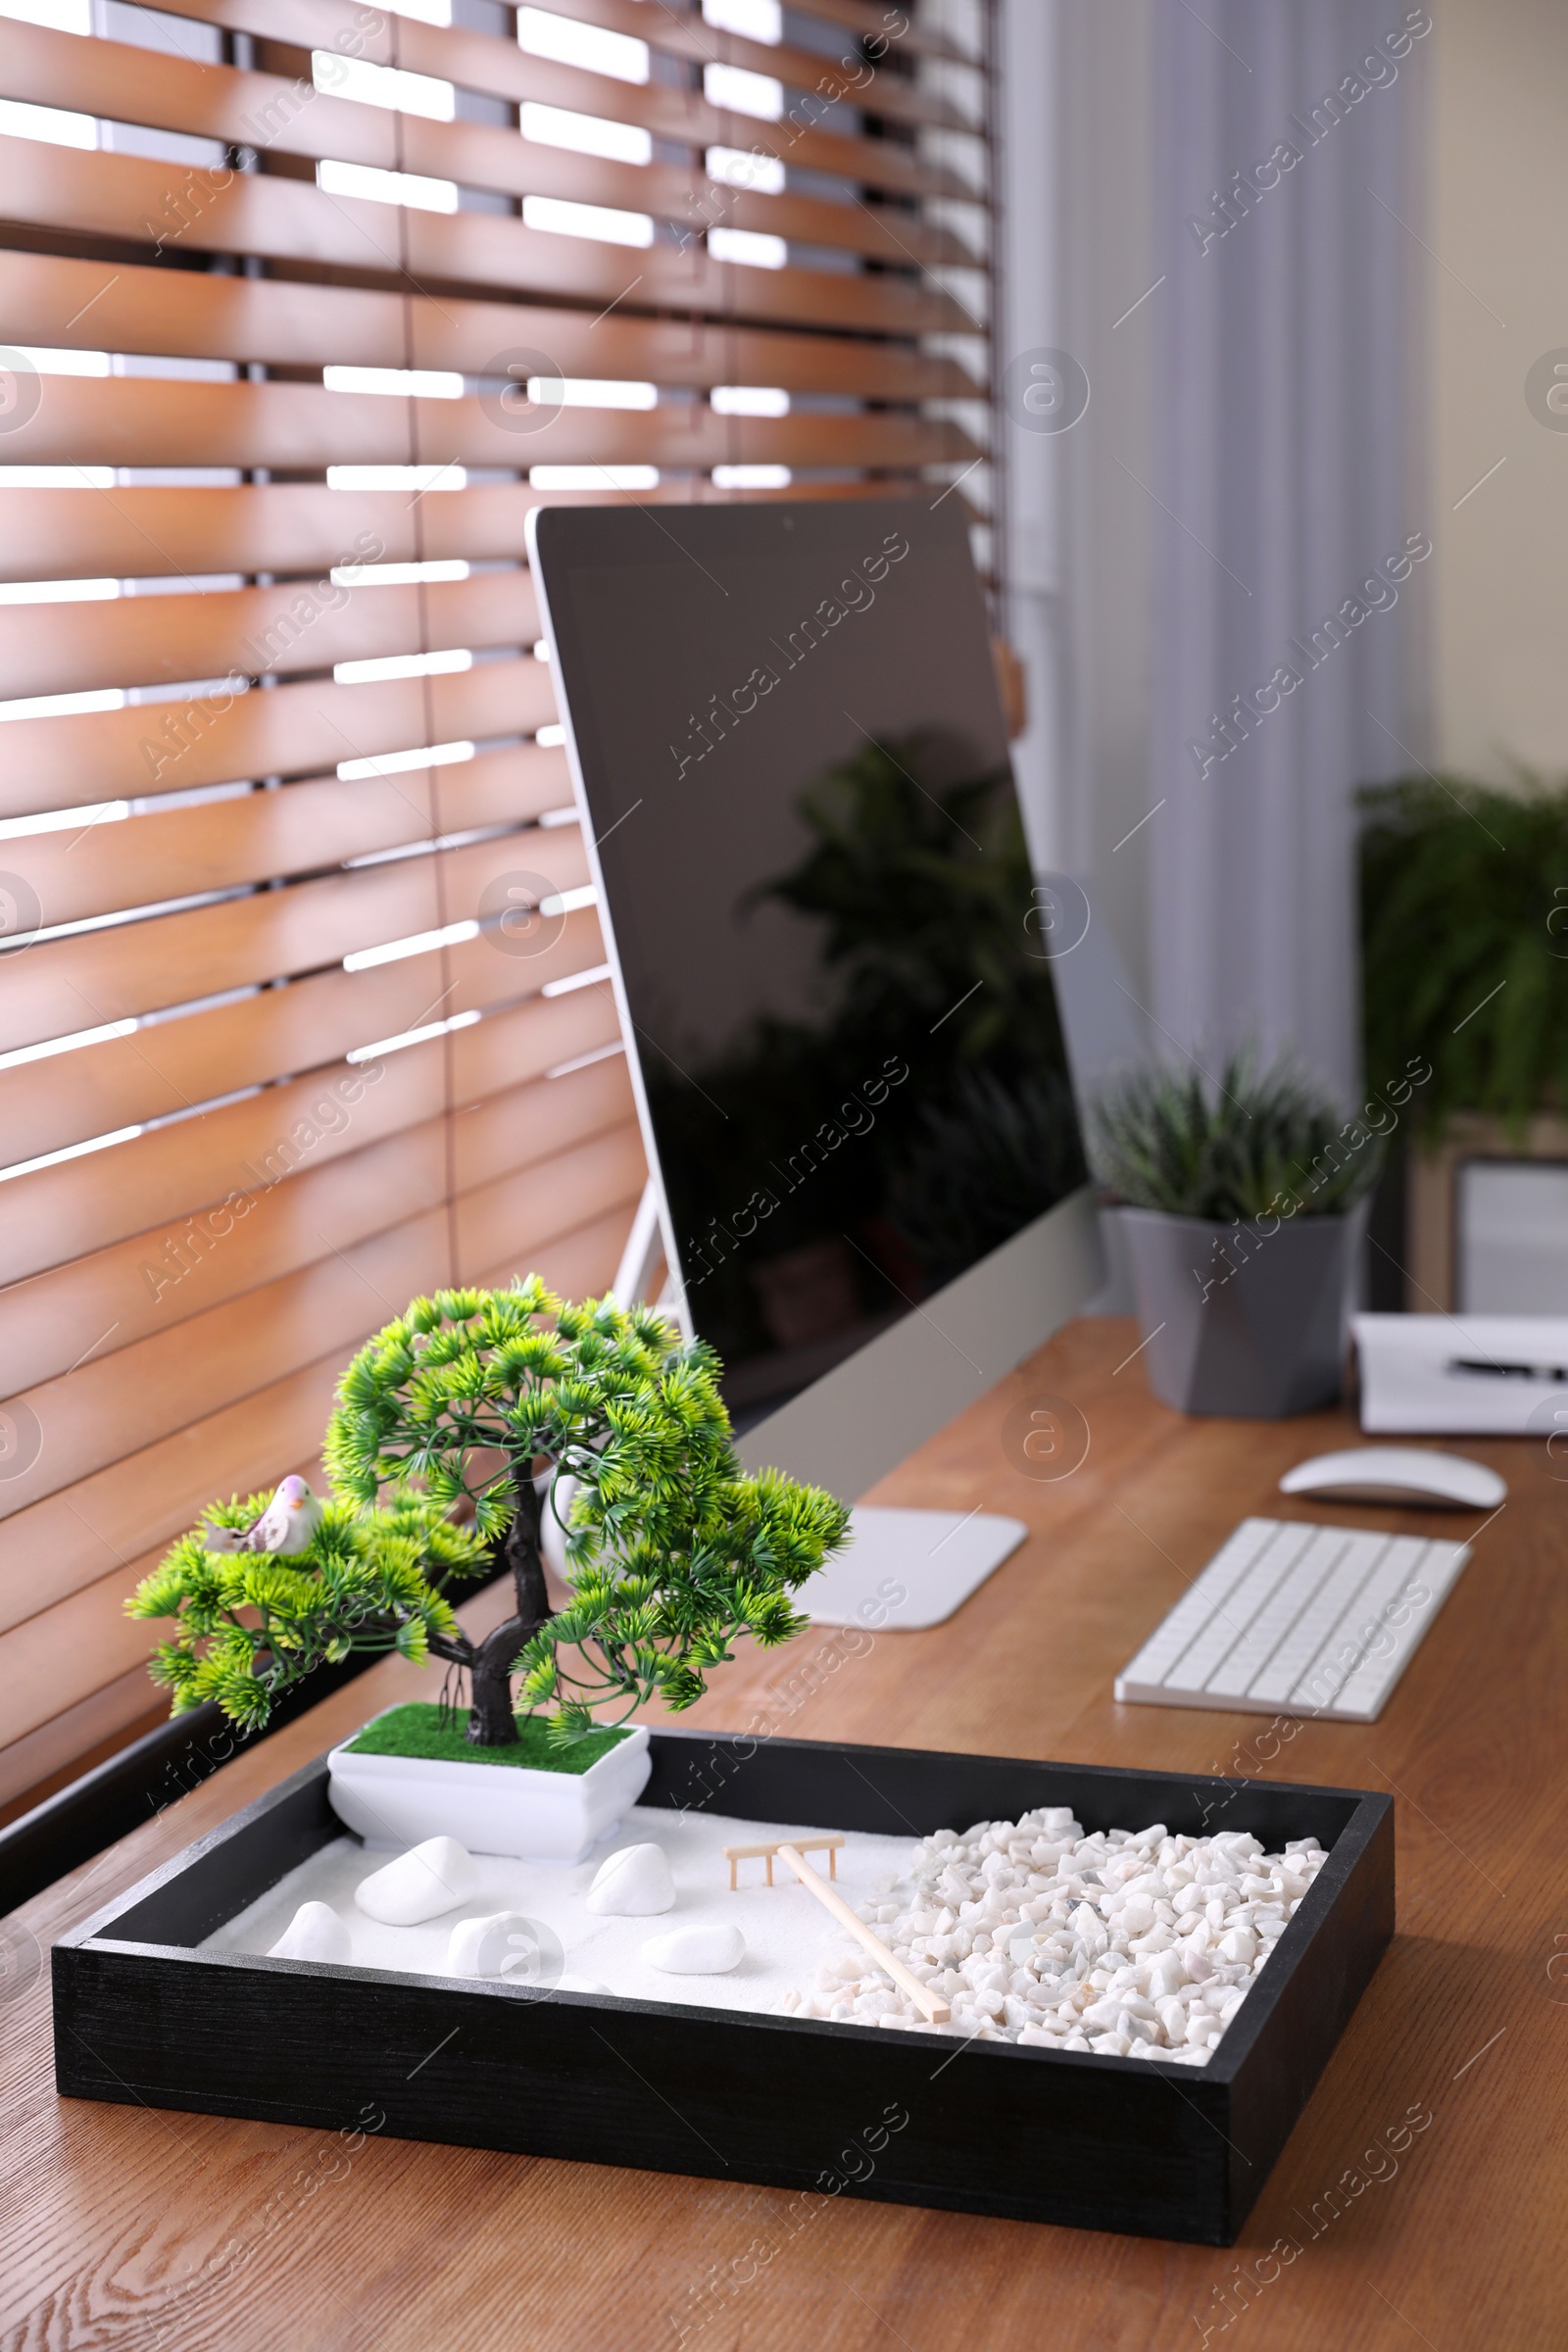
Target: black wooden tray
<point>1161,2150</point>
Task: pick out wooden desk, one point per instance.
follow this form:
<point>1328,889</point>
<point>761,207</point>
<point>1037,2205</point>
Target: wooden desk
<point>130,2229</point>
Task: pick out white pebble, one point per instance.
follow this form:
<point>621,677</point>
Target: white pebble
<point>1125,1942</point>
<point>633,1884</point>
<point>420,1885</point>
<point>1166,1976</point>
<point>504,1944</point>
<point>315,1932</point>
<point>700,1952</point>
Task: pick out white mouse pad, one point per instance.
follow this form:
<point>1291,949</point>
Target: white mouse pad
<point>906,1570</point>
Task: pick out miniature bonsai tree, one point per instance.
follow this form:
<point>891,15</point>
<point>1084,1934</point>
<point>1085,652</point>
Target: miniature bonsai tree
<point>492,1400</point>
<point>672,1551</point>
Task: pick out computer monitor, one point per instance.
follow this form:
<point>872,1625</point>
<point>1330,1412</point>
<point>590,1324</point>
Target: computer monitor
<point>832,963</point>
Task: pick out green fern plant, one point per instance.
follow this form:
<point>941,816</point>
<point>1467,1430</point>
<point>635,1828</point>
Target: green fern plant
<point>1242,1146</point>
<point>1464,941</point>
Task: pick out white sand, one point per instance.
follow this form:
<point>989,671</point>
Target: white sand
<point>1127,1943</point>
<point>788,1933</point>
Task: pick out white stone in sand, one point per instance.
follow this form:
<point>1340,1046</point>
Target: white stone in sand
<point>504,1944</point>
<point>697,1951</point>
<point>315,1932</point>
<point>420,1885</point>
<point>633,1884</point>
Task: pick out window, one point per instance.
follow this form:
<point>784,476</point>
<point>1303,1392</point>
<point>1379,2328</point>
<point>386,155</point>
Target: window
<point>302,331</point>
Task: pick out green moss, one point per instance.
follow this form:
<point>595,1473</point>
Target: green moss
<point>417,1730</point>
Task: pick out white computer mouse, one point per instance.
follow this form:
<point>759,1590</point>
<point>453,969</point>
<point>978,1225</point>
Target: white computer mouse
<point>1398,1474</point>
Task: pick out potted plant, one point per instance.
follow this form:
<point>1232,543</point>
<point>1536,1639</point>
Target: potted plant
<point>1243,1204</point>
<point>1464,943</point>
<point>1464,970</point>
<point>488,1402</point>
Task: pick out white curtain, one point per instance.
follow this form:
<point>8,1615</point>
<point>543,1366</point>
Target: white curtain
<point>1288,518</point>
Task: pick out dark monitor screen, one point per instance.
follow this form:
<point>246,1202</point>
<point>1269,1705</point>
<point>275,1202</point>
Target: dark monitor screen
<point>814,878</point>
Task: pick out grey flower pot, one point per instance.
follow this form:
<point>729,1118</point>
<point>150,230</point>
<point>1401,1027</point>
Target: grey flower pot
<point>1248,1319</point>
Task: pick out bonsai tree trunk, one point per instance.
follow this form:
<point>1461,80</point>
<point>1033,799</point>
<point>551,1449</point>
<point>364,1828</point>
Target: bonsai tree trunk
<point>491,1720</point>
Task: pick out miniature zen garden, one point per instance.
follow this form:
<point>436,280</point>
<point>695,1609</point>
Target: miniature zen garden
<point>510,1845</point>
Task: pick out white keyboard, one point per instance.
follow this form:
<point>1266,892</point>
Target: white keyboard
<point>1289,1619</point>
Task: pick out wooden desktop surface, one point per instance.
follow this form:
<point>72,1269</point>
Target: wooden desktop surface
<point>129,2228</point>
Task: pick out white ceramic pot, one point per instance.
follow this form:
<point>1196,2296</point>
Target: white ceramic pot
<point>396,1801</point>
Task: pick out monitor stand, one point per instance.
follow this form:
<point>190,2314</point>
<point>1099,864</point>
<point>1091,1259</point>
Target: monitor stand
<point>907,1570</point>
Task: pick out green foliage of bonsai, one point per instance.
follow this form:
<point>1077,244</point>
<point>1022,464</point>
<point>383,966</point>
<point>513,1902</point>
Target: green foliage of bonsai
<point>494,1398</point>
<point>1464,941</point>
<point>672,1551</point>
<point>1250,1143</point>
<point>250,1624</point>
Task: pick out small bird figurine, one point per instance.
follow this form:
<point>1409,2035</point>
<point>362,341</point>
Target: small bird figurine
<point>285,1529</point>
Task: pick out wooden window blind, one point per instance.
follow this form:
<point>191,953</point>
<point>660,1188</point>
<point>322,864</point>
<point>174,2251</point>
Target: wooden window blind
<point>301,994</point>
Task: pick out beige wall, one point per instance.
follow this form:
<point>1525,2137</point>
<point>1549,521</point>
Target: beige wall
<point>1498,220</point>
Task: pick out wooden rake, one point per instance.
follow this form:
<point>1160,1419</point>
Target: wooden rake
<point>930,2003</point>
